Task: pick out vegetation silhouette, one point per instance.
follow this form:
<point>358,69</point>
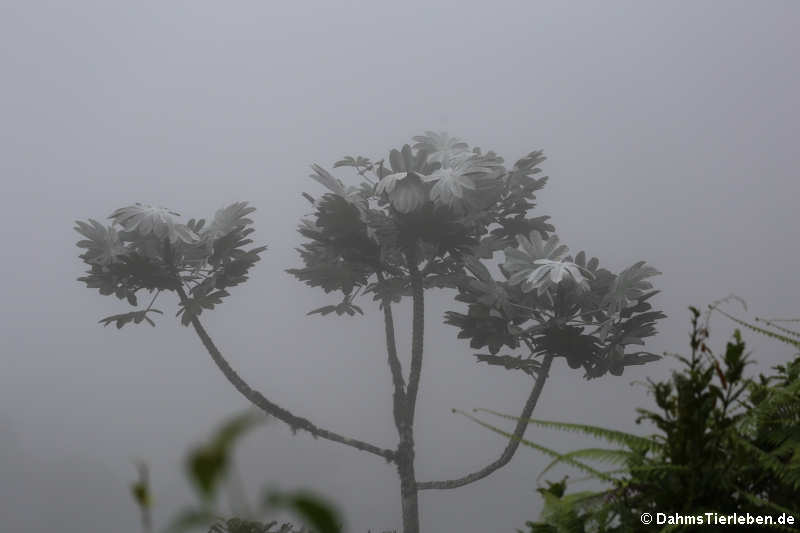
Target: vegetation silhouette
<point>434,215</point>
<point>725,444</point>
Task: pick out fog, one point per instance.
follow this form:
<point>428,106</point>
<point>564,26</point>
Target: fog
<point>671,135</point>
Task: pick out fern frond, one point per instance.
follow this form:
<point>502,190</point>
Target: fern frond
<point>612,436</point>
<point>783,338</point>
<point>538,447</point>
<point>772,324</point>
<point>786,473</point>
<point>605,455</point>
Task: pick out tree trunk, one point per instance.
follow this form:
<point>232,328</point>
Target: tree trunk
<point>408,487</point>
<point>405,451</point>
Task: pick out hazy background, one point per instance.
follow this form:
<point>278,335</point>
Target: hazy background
<point>671,133</point>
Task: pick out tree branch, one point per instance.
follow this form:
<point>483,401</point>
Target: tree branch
<point>399,396</point>
<point>258,399</point>
<point>513,443</point>
<point>417,334</point>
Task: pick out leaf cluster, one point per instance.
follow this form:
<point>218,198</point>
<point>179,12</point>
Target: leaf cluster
<point>725,443</point>
<point>146,248</point>
<point>553,304</point>
<point>442,210</point>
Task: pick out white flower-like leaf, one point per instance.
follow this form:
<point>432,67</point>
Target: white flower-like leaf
<point>547,273</point>
<point>227,220</point>
<point>102,243</point>
<point>537,264</point>
<point>335,185</point>
<point>388,183</point>
<point>158,221</point>
<point>449,185</point>
<point>405,190</point>
<point>442,148</point>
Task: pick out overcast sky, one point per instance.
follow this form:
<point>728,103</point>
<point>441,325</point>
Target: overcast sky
<point>671,133</point>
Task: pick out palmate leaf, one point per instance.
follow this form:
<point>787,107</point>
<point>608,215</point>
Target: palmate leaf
<point>136,271</point>
<point>193,306</point>
<point>406,160</point>
<point>350,161</point>
<point>103,245</point>
<point>340,309</point>
<point>637,328</point>
<point>332,276</point>
<point>405,191</point>
<point>159,221</point>
<point>235,272</point>
<point>441,147</point>
<point>483,329</point>
<point>352,195</point>
<point>529,366</point>
<point>524,168</point>
<point>511,226</point>
<point>135,317</point>
<point>549,273</point>
<point>628,286</point>
<point>228,219</point>
<point>523,263</point>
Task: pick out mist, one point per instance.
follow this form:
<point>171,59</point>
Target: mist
<point>670,132</point>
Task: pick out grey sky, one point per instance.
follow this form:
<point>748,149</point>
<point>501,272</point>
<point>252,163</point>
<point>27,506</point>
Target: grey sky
<point>670,130</point>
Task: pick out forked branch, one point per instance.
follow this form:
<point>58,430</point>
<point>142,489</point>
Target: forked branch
<point>258,399</point>
<point>513,443</point>
<point>399,396</point>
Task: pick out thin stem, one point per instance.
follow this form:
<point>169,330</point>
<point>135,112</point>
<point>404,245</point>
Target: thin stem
<point>417,334</point>
<point>399,396</point>
<point>258,399</point>
<point>513,443</point>
<point>153,300</point>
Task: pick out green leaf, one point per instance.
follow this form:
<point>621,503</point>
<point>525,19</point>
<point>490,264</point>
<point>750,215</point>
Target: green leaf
<point>103,244</point>
<point>320,515</point>
<point>227,220</point>
<point>237,427</point>
<point>126,318</point>
<point>340,309</point>
<point>141,488</point>
<point>207,464</point>
<point>158,221</point>
<point>193,306</point>
<point>628,286</point>
<point>324,310</point>
<point>347,161</point>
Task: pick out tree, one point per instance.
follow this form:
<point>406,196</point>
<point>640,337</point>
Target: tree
<point>725,444</point>
<point>431,216</point>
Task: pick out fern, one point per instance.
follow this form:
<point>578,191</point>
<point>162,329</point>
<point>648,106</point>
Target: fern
<point>543,449</point>
<point>786,339</point>
<point>610,435</point>
<point>725,446</point>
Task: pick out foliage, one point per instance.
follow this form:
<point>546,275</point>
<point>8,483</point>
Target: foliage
<point>725,444</point>
<point>209,467</point>
<point>435,214</point>
<point>145,248</point>
<point>447,210</point>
